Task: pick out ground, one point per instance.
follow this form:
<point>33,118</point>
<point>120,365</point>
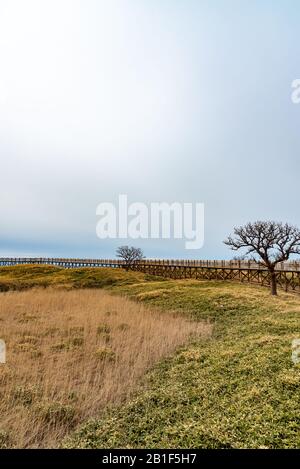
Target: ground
<point>239,389</point>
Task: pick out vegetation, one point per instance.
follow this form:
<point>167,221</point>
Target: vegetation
<point>72,354</point>
<point>238,389</point>
<point>267,242</point>
<point>22,277</point>
<point>129,255</point>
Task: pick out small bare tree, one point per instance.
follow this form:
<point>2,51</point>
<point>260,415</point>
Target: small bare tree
<point>268,243</point>
<point>130,255</point>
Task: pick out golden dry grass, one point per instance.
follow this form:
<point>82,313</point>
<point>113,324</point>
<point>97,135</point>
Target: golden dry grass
<point>72,354</point>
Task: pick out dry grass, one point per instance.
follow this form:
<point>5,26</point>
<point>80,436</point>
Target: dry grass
<point>71,354</point>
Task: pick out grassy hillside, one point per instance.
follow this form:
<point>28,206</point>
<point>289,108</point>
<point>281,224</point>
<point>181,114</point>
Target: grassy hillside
<point>22,277</point>
<point>72,354</point>
<point>238,390</point>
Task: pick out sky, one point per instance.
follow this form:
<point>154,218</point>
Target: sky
<point>184,101</point>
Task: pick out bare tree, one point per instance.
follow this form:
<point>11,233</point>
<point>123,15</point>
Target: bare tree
<point>268,243</point>
<point>130,255</point>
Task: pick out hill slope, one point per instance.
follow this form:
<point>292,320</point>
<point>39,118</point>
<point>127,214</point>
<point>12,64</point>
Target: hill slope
<point>238,390</point>
<point>22,277</point>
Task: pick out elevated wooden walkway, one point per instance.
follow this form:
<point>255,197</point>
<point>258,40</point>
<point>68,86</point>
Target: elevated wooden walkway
<point>288,273</point>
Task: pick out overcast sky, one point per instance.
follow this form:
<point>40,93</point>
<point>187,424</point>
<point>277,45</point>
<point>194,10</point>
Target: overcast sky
<point>162,100</point>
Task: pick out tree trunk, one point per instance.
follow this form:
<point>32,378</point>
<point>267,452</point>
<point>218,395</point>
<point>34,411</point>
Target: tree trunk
<point>273,283</point>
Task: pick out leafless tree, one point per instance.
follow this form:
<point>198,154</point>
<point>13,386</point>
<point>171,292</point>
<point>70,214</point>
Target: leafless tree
<point>130,255</point>
<point>268,243</point>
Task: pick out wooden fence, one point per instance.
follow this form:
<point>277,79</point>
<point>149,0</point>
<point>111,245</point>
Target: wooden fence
<point>287,273</point>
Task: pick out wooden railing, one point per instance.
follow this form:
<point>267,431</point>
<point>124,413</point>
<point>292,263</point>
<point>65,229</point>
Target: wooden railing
<point>74,262</point>
<point>287,273</point>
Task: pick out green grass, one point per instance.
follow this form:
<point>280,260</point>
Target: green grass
<point>239,389</point>
<point>22,277</point>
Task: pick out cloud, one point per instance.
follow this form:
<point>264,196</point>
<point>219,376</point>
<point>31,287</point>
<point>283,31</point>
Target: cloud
<point>163,101</point>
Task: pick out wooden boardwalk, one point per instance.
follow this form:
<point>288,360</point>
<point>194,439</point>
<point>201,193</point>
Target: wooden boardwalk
<point>288,273</point>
